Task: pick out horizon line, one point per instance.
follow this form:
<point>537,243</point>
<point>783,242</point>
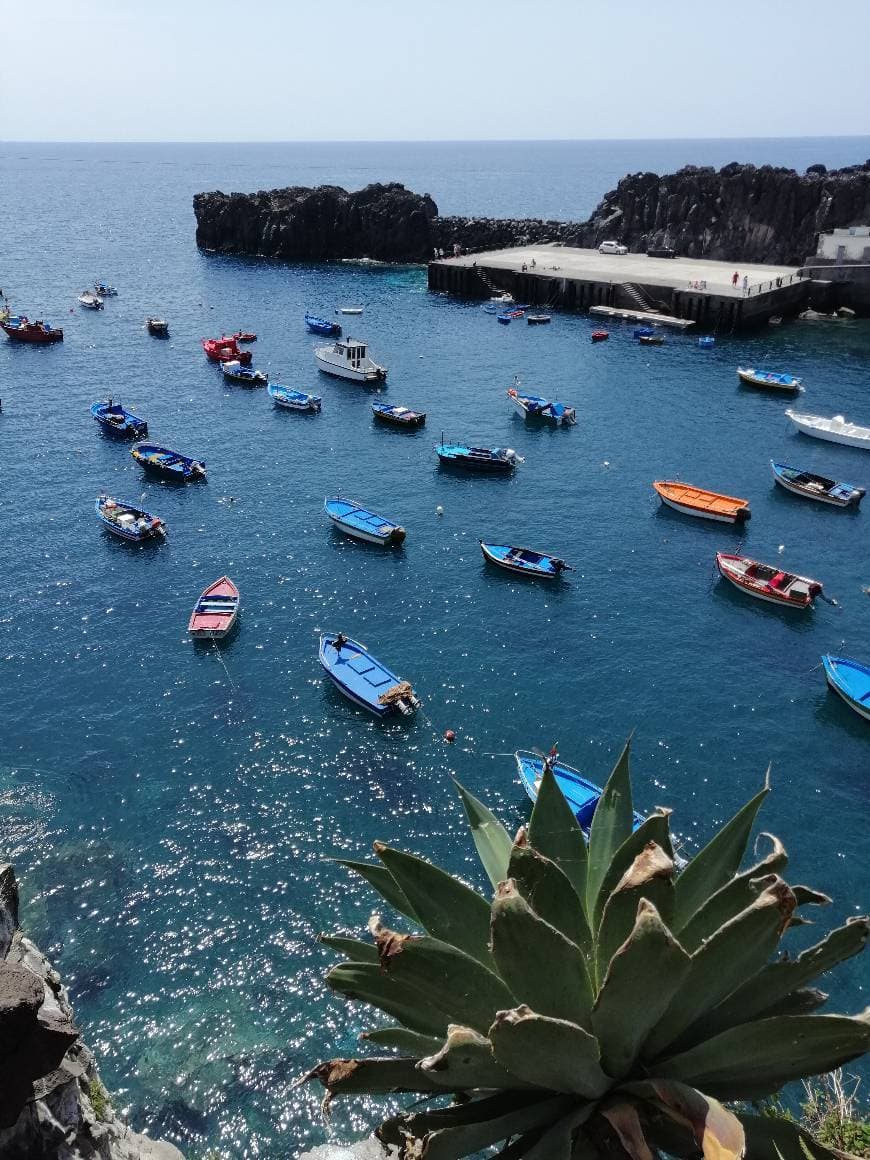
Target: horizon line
<point>422,140</point>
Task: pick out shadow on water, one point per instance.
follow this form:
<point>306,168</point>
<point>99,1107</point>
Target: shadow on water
<point>697,523</point>
<point>832,710</point>
<point>797,619</point>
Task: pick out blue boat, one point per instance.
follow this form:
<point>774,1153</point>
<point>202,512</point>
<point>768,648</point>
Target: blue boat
<point>363,679</point>
<point>168,464</point>
<point>581,794</point>
<point>105,291</point>
<point>118,421</point>
<point>357,521</point>
<point>536,407</point>
<point>851,680</point>
<point>322,325</point>
<point>818,487</point>
<point>769,380</point>
<point>398,416</point>
<point>293,400</point>
<point>501,459</point>
<point>128,522</point>
<point>524,561</point>
<point>643,332</point>
<point>234,372</point>
<point>706,341</point>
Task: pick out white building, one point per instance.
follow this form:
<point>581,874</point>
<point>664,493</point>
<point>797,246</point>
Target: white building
<point>847,245</point>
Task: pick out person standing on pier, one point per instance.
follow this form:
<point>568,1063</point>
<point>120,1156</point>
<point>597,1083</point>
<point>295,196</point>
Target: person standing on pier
<point>734,279</point>
<point>745,283</point>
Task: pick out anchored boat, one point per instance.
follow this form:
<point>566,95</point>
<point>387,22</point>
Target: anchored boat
<point>398,416</point>
<point>128,522</point>
<point>835,430</point>
<point>600,335</point>
<point>524,561</point>
<point>293,400</point>
<point>159,327</point>
<point>535,407</point>
<point>695,501</point>
<point>581,794</point>
<point>538,319</point>
<point>818,487</point>
<point>767,582</point>
<point>769,380</point>
<point>225,350</point>
<point>105,291</point>
<point>491,459</point>
<point>851,680</point>
<point>168,464</point>
<point>19,328</point>
<point>364,680</point>
<point>118,421</point>
<point>245,336</point>
<point>214,614</point>
<point>90,301</point>
<point>348,359</point>
<point>234,372</point>
<point>322,326</point>
<point>355,520</point>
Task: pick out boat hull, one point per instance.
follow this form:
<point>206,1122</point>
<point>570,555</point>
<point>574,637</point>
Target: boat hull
<point>350,373</point>
<point>766,594</point>
<point>545,571</point>
<point>749,379</point>
<point>686,510</point>
<point>32,335</point>
<point>831,666</point>
<point>367,678</point>
<point>804,492</point>
<point>215,613</point>
<point>862,440</point>
<point>368,526</point>
<point>703,504</point>
<point>485,466</point>
<point>410,422</point>
<point>156,530</point>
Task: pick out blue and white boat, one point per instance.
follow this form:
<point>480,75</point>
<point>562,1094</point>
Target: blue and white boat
<point>105,291</point>
<point>352,518</point>
<point>364,680</point>
<point>706,341</point>
<point>581,794</point>
<point>769,380</point>
<point>491,459</point>
<point>818,487</point>
<point>322,326</point>
<point>130,523</point>
<point>293,400</point>
<point>397,415</point>
<point>234,372</point>
<point>168,464</point>
<point>524,561</point>
<point>851,680</point>
<point>536,407</point>
<point>118,421</point>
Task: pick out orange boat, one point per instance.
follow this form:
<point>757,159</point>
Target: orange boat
<point>695,501</point>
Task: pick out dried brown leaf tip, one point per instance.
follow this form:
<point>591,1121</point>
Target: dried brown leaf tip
<point>389,942</point>
<point>651,862</point>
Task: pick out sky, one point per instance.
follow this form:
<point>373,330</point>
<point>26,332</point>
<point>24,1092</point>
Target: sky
<point>369,70</point>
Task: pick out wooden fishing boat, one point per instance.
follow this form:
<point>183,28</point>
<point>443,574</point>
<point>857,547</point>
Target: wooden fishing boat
<point>167,464</point>
<point>363,679</point>
<point>90,301</point>
<point>538,319</point>
<point>234,372</point>
<point>105,291</point>
<point>767,582</point>
<point>769,380</point>
<point>398,416</point>
<point>695,501</point>
<point>491,459</point>
<point>128,522</point>
<point>651,339</point>
<point>322,326</point>
<point>293,400</point>
<point>225,350</point>
<point>352,518</point>
<point>535,407</point>
<point>524,561</point>
<point>834,430</point>
<point>245,336</point>
<point>118,421</point>
<point>818,487</point>
<point>215,613</point>
<point>159,327</point>
<point>600,335</point>
<point>850,680</point>
<point>19,328</point>
<point>348,359</point>
<point>581,794</point>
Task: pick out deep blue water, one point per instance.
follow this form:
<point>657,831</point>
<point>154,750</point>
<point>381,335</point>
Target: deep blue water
<point>171,809</point>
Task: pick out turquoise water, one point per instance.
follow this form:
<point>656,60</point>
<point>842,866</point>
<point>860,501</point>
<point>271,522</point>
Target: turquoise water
<point>171,808</point>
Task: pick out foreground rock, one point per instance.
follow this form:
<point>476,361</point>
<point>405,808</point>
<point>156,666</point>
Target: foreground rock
<point>53,1105</point>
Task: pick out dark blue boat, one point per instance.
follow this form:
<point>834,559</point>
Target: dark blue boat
<point>130,523</point>
<point>322,325</point>
<point>118,421</point>
<point>399,416</point>
<point>502,459</point>
<point>363,679</point>
<point>168,464</point>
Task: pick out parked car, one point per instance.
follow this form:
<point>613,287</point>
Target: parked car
<point>661,252</point>
<point>612,248</point>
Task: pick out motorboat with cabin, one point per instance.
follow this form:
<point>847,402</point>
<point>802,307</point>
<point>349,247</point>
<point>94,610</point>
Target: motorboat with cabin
<point>348,358</point>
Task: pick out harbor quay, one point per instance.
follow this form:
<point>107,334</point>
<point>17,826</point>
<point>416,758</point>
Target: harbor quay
<point>682,291</point>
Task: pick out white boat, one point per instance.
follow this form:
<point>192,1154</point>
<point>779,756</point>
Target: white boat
<point>835,430</point>
<point>293,400</point>
<point>351,309</point>
<point>347,358</point>
<point>90,301</point>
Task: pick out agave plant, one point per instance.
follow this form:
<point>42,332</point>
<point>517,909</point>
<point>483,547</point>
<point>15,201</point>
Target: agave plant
<point>607,1002</point>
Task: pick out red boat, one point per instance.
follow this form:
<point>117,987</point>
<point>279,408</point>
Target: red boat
<point>767,582</point>
<point>600,335</point>
<point>225,350</point>
<point>245,336</point>
<point>21,329</point>
<point>216,610</point>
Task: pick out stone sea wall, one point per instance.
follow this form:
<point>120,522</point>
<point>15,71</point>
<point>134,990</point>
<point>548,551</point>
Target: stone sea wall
<point>53,1105</point>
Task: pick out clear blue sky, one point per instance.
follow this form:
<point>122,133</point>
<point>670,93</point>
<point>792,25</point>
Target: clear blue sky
<point>267,70</point>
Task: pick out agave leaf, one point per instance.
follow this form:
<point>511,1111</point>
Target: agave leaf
<point>550,1053</point>
<point>642,978</point>
<point>447,908</point>
<point>611,826</point>
<point>625,1121</point>
<point>556,1143</point>
<point>716,1130</point>
<point>417,1124</point>
<point>539,965</point>
<point>717,863</point>
<point>550,895</point>
<point>491,839</point>
<point>808,897</point>
<point>367,983</point>
<point>656,829</point>
<point>455,1142</point>
<point>737,949</point>
<point>372,1076</point>
<point>352,948</point>
<point>732,898</point>
<point>650,876</point>
<point>758,1058</point>
<point>801,1002</point>
<point>466,1061</point>
<point>768,1136</point>
<point>382,880</point>
<point>408,1042</point>
<point>555,832</point>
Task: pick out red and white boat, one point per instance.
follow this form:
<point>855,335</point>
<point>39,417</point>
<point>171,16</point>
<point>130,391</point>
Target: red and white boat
<point>216,610</point>
<point>245,336</point>
<point>767,582</point>
<point>20,329</point>
<point>225,349</point>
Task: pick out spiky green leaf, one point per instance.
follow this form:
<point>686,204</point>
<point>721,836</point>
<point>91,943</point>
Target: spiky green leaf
<point>714,1129</point>
<point>408,1042</point>
<point>368,984</point>
<point>611,826</point>
<point>555,832</point>
<point>624,1119</point>
<point>372,1076</point>
<point>656,829</point>
<point>382,880</point>
<point>491,839</point>
<point>352,948</point>
<point>465,1062</point>
<point>771,1136</point>
<point>550,895</point>
<point>551,1053</point>
<point>650,876</point>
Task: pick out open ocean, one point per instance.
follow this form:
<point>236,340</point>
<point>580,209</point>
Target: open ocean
<point>171,809</point>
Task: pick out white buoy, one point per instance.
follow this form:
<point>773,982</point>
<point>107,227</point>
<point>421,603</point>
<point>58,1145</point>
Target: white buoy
<point>781,549</point>
<point>439,511</point>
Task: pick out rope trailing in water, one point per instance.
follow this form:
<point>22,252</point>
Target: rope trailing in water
<point>222,661</point>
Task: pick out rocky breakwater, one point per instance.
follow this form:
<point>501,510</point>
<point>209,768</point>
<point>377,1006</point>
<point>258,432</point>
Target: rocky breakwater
<point>387,223</point>
<point>740,213</point>
<point>53,1105</point>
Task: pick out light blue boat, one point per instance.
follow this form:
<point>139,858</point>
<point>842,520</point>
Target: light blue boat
<point>292,399</point>
<point>581,794</point>
<point>355,520</point>
<point>364,680</point>
<point>851,680</point>
<point>524,561</point>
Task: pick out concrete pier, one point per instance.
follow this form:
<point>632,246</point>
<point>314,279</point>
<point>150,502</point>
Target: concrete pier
<point>693,290</point>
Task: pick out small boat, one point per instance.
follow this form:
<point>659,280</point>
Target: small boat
<point>706,341</point>
<point>600,335</point>
<point>643,332</point>
<point>835,430</point>
<point>695,501</point>
<point>366,681</point>
<point>348,359</point>
<point>19,328</point>
<point>768,380</point>
<point>775,320</point>
<point>490,308</point>
<point>841,315</point>
<point>502,297</point>
<point>322,326</point>
<point>234,372</point>
<point>293,400</point>
<point>398,416</point>
<point>355,520</point>
<point>245,336</point>
<point>581,794</point>
<point>534,407</point>
<point>524,561</point>
<point>169,464</point>
<point>818,487</point>
<point>214,614</point>
<point>851,680</point>
<point>538,319</point>
<point>118,421</point>
<point>508,316</point>
<point>351,310</point>
<point>490,459</point>
<point>90,301</point>
<point>651,339</point>
<point>159,327</point>
<point>225,350</point>
<point>767,582</point>
<point>105,291</point>
<point>130,523</point>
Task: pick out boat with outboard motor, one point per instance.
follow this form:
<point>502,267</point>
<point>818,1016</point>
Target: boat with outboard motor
<point>90,301</point>
<point>363,679</point>
<point>215,613</point>
<point>696,501</point>
<point>105,291</point>
<point>234,372</point>
<point>490,459</point>
<point>767,582</point>
<point>851,680</point>
<point>322,326</point>
<point>168,464</point>
<point>356,520</point>
<point>536,407</point>
<point>292,399</point>
<point>538,319</point>
<point>581,794</point>
<point>128,522</point>
<point>524,561</point>
<point>245,336</point>
<point>834,430</point>
<point>818,487</point>
<point>398,416</point>
<point>348,358</point>
<point>19,328</point>
<point>225,349</point>
<point>118,421</point>
<point>769,380</point>
<point>159,327</point>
